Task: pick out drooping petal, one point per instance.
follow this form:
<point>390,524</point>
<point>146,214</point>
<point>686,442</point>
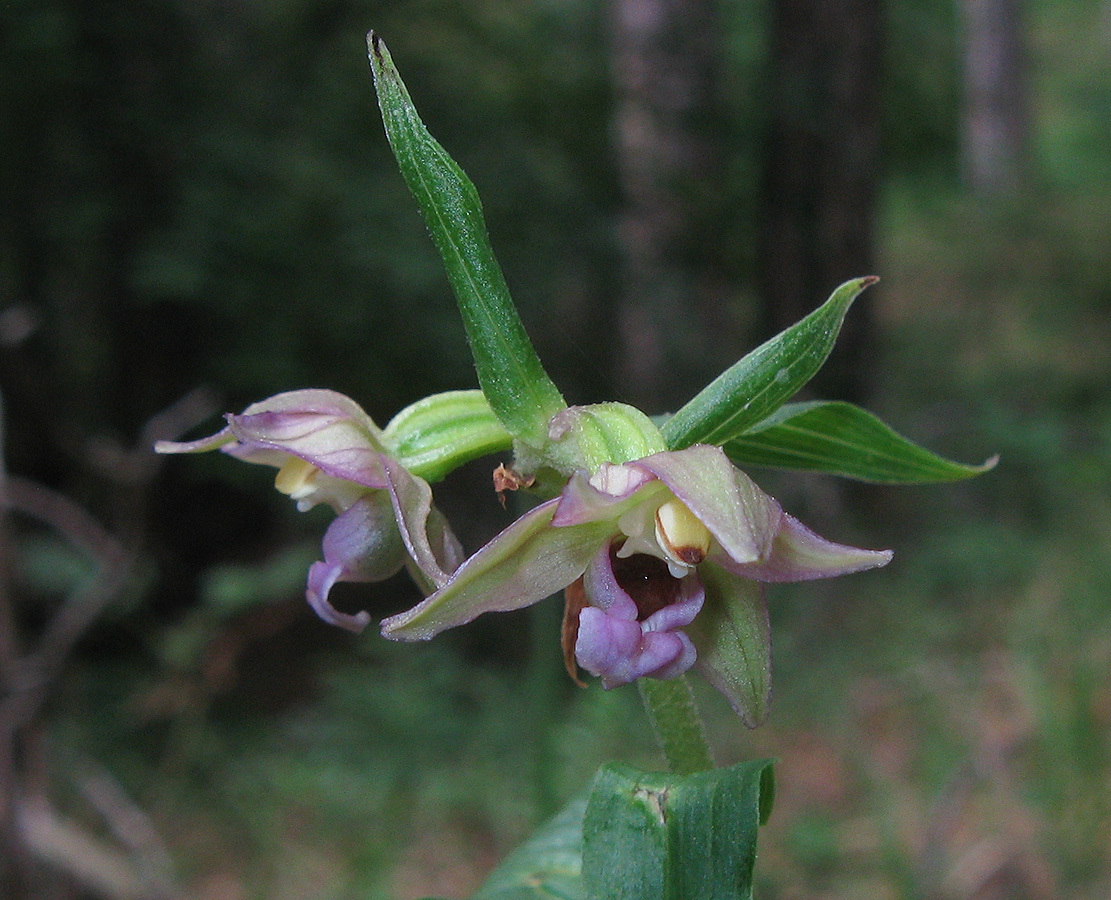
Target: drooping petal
<point>362,544</point>
<point>620,652</point>
<point>527,562</point>
<point>740,516</point>
<point>614,645</point>
<point>432,545</point>
<point>733,638</point>
<point>798,554</point>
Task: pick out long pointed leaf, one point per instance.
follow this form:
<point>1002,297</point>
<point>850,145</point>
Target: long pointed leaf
<point>842,439</point>
<point>510,373</point>
<point>758,384</point>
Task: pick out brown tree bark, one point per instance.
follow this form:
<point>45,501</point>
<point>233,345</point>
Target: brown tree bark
<point>996,121</point>
<point>821,173</point>
<point>670,316</point>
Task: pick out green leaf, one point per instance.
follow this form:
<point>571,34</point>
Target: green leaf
<point>545,867</point>
<point>758,384</point>
<point>843,439</point>
<point>510,373</point>
<point>437,434</point>
<point>655,836</point>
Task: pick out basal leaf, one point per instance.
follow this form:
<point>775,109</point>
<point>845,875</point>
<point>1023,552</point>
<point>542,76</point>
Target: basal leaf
<point>655,836</point>
<point>547,866</point>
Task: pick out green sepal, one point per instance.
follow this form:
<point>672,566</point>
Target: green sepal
<point>733,637</point>
<point>439,433</point>
<point>510,373</point>
<point>842,439</point>
<point>762,381</point>
<point>655,836</point>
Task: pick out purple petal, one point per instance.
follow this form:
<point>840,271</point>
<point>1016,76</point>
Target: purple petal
<point>611,642</point>
<point>321,578</point>
<point>619,487</point>
<point>619,652</point>
<point>798,554</point>
<point>360,545</point>
<point>603,591</point>
<point>431,543</point>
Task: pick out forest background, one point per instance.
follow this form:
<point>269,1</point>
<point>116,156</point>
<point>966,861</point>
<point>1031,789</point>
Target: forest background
<point>198,209</point>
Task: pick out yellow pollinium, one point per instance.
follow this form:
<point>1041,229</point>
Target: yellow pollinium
<point>680,534</point>
<point>295,478</point>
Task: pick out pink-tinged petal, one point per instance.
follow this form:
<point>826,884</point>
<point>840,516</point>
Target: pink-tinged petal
<point>798,554</point>
<point>680,613</point>
<point>733,638</point>
<point>323,428</point>
<point>741,517</point>
<point>527,562</point>
<point>606,495</point>
<point>606,644</point>
<point>321,578</point>
<point>322,402</point>
<point>603,591</point>
<point>363,544</point>
<point>432,545</point>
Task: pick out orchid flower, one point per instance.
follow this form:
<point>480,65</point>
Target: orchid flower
<point>329,451</point>
<point>663,560</point>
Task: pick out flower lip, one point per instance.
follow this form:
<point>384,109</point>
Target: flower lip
<point>632,624</point>
<point>646,580</point>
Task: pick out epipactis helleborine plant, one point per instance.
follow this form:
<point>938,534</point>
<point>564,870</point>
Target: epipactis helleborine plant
<point>660,544</point>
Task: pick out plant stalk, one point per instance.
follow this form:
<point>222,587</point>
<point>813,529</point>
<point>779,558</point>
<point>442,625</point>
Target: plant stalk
<point>670,706</point>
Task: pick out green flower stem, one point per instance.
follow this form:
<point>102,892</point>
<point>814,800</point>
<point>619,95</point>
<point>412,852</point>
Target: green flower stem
<point>675,718</point>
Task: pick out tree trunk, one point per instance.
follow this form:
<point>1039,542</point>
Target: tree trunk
<point>670,161</point>
<point>996,114</point>
<point>822,172</point>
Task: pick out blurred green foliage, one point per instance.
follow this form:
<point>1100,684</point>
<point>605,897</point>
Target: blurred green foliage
<point>200,194</point>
